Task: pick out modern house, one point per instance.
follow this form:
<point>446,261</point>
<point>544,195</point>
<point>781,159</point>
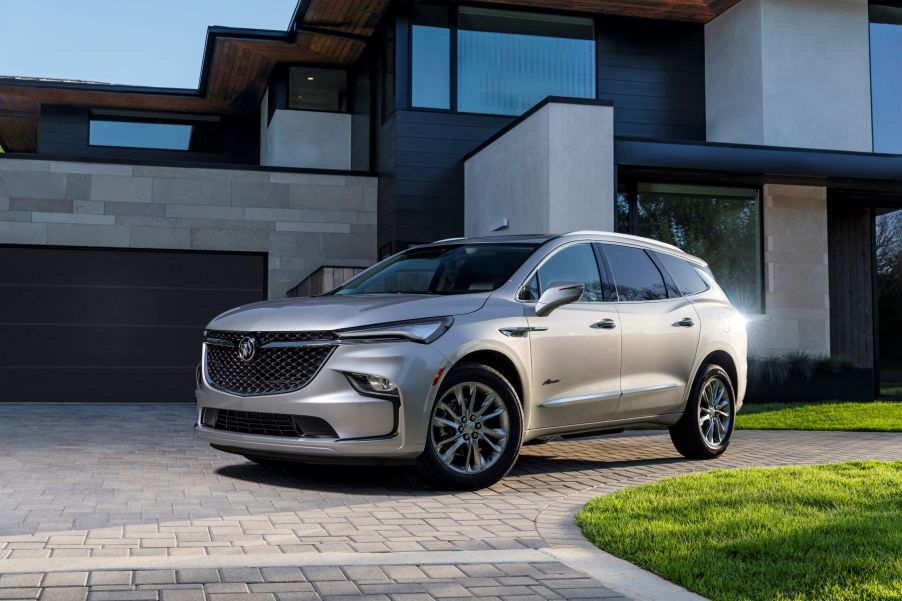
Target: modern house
<point>762,135</point>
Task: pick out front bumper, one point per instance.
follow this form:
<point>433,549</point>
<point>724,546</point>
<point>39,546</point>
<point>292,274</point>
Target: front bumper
<point>366,427</point>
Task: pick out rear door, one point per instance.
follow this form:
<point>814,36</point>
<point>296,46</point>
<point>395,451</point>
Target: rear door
<point>575,349</point>
<point>660,334</point>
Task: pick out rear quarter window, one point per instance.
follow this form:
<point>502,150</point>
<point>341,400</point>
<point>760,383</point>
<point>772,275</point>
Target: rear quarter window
<point>684,273</point>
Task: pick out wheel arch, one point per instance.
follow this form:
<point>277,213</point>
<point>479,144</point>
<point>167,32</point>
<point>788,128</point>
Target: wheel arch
<point>500,363</point>
<point>722,359</point>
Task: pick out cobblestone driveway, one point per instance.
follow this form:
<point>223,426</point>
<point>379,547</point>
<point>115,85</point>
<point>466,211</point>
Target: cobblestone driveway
<point>122,496</point>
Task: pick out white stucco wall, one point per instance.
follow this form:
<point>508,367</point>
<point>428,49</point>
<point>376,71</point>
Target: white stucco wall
<point>308,139</point>
<point>790,73</point>
<point>553,172</point>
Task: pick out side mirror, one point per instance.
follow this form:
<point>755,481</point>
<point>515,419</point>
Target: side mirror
<point>559,294</point>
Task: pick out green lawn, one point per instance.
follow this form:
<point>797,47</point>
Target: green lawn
<point>861,417</point>
<point>800,533</point>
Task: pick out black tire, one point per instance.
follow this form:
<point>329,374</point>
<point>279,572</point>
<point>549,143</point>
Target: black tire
<point>687,434</point>
<point>431,465</point>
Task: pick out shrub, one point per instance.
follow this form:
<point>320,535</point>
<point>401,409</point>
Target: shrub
<point>777,369</point>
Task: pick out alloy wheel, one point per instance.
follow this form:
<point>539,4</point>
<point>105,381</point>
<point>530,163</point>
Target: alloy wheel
<point>470,427</point>
<point>715,412</point>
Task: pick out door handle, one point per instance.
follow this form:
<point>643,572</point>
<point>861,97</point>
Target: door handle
<point>604,324</point>
<point>686,322</point>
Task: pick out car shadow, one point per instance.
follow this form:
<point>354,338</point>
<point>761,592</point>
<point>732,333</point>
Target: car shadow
<point>365,480</point>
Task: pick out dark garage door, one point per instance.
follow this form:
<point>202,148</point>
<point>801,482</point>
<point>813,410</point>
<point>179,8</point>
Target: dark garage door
<point>112,325</point>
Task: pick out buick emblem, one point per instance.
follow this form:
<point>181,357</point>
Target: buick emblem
<point>247,348</point>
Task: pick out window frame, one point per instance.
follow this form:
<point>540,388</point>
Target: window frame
<point>628,187</point>
<point>602,274</point>
<point>453,10</point>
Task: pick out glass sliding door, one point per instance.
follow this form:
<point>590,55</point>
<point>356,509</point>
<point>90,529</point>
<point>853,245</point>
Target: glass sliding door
<point>888,242</point>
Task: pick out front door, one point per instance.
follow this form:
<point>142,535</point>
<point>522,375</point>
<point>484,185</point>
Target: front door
<point>575,349</point>
<point>660,331</point>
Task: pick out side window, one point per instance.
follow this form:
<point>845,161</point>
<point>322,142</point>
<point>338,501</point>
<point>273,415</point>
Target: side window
<point>683,273</point>
<point>530,291</point>
<point>575,263</point>
<point>636,276</point>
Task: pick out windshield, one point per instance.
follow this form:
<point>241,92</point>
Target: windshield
<point>445,269</point>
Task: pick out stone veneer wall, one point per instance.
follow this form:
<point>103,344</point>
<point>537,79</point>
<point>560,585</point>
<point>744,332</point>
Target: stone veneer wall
<point>303,220</point>
<point>796,278</point>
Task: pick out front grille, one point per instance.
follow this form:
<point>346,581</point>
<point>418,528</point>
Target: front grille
<point>251,422</point>
<point>267,424</point>
<point>274,370</point>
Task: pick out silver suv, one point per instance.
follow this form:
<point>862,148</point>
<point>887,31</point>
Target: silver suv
<point>454,354</point>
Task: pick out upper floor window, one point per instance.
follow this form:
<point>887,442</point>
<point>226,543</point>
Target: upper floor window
<point>506,61</point>
<point>154,133</point>
<point>317,89</point>
<point>430,39</point>
<point>886,77</point>
<point>718,224</point>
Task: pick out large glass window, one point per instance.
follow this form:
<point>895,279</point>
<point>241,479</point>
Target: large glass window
<point>718,224</point>
<point>316,89</point>
<point>507,61</point>
<point>886,77</point>
<point>888,240</point>
<point>430,39</point>
<point>445,269</point>
<point>155,133</point>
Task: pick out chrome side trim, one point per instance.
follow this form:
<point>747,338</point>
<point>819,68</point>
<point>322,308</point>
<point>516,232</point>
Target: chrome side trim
<point>655,388</point>
<point>520,332</point>
<point>586,398</point>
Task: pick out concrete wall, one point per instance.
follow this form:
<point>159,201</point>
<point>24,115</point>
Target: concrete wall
<point>304,139</point>
<point>790,73</point>
<point>553,172</point>
<point>796,278</point>
<point>302,220</point>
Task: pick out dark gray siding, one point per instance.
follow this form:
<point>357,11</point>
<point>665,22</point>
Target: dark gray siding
<point>654,71</point>
<point>63,132</point>
<point>851,284</point>
<point>422,197</point>
<point>361,110</point>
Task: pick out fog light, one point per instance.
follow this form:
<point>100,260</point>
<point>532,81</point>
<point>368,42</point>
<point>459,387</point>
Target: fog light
<point>372,385</point>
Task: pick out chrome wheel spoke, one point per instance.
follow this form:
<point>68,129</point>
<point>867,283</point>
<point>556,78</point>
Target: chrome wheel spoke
<point>488,402</point>
<point>477,456</point>
<point>448,455</point>
<point>492,445</point>
<point>495,413</point>
<point>444,407</point>
<point>447,423</point>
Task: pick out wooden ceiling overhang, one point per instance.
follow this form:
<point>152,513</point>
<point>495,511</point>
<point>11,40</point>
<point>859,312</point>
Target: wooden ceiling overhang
<point>237,62</point>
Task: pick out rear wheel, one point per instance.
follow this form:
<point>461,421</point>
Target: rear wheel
<point>705,429</point>
<point>475,429</point>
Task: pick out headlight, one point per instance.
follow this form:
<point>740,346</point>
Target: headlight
<point>423,331</point>
<point>371,385</point>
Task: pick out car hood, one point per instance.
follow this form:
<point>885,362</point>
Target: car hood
<point>337,312</point>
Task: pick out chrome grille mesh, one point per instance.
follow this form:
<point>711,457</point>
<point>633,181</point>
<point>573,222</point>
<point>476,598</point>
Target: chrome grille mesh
<point>272,370</point>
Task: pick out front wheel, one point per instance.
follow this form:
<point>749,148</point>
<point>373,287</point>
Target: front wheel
<point>706,426</point>
<point>475,429</point>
